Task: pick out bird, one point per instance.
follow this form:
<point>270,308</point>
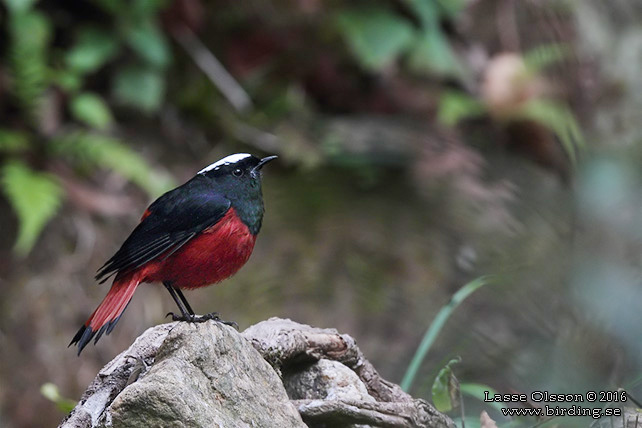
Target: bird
<point>195,235</point>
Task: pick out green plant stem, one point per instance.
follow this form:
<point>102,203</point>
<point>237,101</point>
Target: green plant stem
<point>435,328</point>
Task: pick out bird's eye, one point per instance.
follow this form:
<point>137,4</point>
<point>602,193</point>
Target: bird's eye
<point>237,172</point>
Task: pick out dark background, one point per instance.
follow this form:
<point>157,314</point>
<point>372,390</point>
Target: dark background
<point>421,144</point>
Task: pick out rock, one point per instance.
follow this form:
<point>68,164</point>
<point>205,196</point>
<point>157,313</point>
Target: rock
<point>325,380</point>
<point>332,383</point>
<point>206,375</point>
<point>115,376</point>
<point>209,375</point>
<point>202,375</point>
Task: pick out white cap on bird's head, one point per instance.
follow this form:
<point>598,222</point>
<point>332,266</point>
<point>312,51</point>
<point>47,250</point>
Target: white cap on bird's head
<point>228,160</point>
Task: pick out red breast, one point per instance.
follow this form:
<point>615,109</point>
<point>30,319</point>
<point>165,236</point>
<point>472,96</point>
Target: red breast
<point>214,255</point>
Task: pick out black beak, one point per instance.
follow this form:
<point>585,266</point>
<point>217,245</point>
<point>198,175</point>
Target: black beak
<point>263,162</point>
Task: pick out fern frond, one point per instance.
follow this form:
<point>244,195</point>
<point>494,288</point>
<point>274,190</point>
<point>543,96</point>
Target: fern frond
<point>558,118</point>
<point>109,153</point>
<point>542,56</point>
<point>29,34</point>
<point>35,198</point>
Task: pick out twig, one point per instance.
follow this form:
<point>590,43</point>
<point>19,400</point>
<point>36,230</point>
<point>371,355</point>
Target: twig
<point>212,67</point>
<point>253,136</point>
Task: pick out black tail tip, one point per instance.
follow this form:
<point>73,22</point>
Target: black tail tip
<point>85,334</point>
<point>82,338</point>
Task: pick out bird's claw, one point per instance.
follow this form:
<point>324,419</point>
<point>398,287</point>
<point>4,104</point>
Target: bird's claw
<point>202,318</point>
<point>214,317</point>
<point>175,317</point>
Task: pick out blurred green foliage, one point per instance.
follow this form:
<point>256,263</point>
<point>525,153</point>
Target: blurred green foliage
<point>559,119</point>
<point>35,197</point>
<point>134,27</point>
<point>431,50</point>
<point>540,57</point>
<point>92,110</point>
<point>40,75</point>
<point>140,87</point>
<point>456,106</point>
<point>378,36</point>
<point>30,33</point>
<point>51,392</point>
<point>87,149</point>
<point>93,49</point>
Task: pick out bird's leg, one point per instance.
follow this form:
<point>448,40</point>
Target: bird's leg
<point>186,314</point>
<point>184,300</point>
<point>187,311</point>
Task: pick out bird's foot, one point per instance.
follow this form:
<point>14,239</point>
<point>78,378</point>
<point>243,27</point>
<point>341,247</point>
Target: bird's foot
<point>202,318</point>
<point>214,317</point>
<point>192,317</point>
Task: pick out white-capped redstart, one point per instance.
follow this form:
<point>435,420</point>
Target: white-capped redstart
<point>195,235</point>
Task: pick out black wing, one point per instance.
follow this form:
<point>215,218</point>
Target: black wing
<point>174,219</point>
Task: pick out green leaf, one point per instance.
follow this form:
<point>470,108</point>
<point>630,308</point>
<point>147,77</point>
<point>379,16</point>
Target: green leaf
<point>51,393</point>
<point>35,197</point>
<point>139,87</point>
<point>91,109</point>
<point>445,388</point>
<point>375,36</point>
<point>432,53</point>
<point>67,79</point>
<point>106,152</point>
<point>93,49</point>
<point>455,106</point>
<point>13,141</point>
<point>436,326</point>
<point>559,119</point>
<point>149,43</point>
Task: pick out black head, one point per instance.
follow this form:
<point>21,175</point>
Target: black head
<point>238,178</point>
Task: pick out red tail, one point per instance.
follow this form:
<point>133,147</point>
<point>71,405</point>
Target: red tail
<point>105,317</point>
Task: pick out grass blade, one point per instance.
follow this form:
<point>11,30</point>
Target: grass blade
<point>436,326</point>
